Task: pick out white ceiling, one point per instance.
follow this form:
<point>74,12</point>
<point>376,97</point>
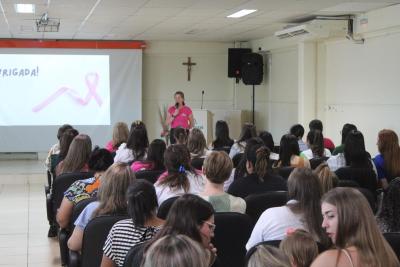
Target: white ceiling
<point>195,20</point>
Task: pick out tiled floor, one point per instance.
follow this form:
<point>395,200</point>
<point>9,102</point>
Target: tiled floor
<point>23,223</point>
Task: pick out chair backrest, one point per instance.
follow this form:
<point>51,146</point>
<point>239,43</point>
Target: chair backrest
<point>164,208</point>
<point>94,237</point>
<point>150,175</point>
<point>315,162</point>
<point>197,163</point>
<point>394,241</point>
<point>62,183</point>
<point>135,255</point>
<point>372,198</point>
<point>348,183</point>
<point>231,235</point>
<point>226,149</point>
<point>256,204</point>
<point>365,177</point>
<point>77,210</point>
<point>236,159</point>
<point>284,172</point>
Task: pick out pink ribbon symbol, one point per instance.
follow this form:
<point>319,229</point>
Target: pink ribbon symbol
<point>92,81</point>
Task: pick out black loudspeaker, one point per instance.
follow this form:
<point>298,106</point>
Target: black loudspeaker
<point>252,69</point>
<point>235,61</point>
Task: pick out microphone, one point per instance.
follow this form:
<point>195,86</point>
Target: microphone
<point>202,99</point>
<point>176,105</point>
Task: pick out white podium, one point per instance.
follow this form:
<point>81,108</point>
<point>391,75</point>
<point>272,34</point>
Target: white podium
<point>203,121</point>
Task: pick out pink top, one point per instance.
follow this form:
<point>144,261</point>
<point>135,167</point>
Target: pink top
<point>141,166</point>
<point>110,147</point>
<point>182,119</point>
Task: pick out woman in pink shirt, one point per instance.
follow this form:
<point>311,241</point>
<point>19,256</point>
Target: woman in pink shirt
<point>179,115</point>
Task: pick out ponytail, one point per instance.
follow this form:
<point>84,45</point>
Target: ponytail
<point>262,161</point>
<point>316,141</point>
<point>142,201</point>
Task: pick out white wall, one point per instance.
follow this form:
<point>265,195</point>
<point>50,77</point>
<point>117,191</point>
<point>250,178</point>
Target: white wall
<point>163,74</point>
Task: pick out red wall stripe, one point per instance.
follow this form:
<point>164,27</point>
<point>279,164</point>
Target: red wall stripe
<point>74,44</point>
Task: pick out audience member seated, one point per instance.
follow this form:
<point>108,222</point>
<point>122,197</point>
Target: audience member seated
<point>289,153</point>
<point>268,140</point>
<point>349,222</point>
<point>298,131</point>
<point>360,167</point>
<point>389,215</point>
<point>99,161</point>
<point>302,211</point>
<point>192,216</point>
<point>180,136</point>
<point>111,200</point>
<point>217,169</point>
<point>55,149</point>
<point>315,141</point>
<point>328,179</point>
<point>248,131</point>
<point>197,144</point>
<point>259,178</point>
<point>388,161</point>
<point>300,247</point>
<point>317,125</point>
<point>136,146</point>
<point>77,156</point>
<point>268,256</point>
<point>222,140</point>
<point>154,159</point>
<point>347,128</point>
<point>119,136</point>
<point>65,142</point>
<point>142,226</point>
<point>176,250</point>
<point>180,178</point>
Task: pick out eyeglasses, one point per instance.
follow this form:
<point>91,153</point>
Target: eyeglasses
<point>211,226</point>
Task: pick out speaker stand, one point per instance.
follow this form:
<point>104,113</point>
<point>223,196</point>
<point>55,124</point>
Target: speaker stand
<point>254,104</point>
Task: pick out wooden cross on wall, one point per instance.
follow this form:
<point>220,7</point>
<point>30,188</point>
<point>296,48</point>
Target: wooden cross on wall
<point>189,65</point>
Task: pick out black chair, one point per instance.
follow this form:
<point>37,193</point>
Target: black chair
<point>197,163</point>
<point>256,204</point>
<point>371,197</point>
<point>135,255</point>
<point>226,149</point>
<point>365,177</point>
<point>54,198</point>
<point>236,159</point>
<point>65,233</point>
<point>348,183</point>
<point>150,175</point>
<point>284,172</point>
<point>315,162</point>
<point>164,208</point>
<point>394,241</point>
<point>231,235</point>
<point>94,237</point>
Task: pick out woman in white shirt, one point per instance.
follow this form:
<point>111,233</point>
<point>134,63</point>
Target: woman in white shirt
<point>181,177</point>
<point>301,211</point>
<point>248,131</point>
<point>315,142</point>
<point>136,146</point>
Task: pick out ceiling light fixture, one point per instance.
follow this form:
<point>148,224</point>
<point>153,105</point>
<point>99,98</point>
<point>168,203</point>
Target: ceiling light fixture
<point>24,8</point>
<point>242,13</point>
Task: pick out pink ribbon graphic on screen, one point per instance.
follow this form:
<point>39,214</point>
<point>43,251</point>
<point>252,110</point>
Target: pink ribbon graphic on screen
<point>92,81</point>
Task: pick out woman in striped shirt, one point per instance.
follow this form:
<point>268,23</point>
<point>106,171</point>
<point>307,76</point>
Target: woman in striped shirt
<point>142,226</point>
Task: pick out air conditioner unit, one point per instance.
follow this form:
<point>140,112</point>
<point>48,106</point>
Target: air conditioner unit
<point>316,29</point>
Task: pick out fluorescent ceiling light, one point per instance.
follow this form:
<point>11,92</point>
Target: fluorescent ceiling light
<point>242,13</point>
<point>24,8</point>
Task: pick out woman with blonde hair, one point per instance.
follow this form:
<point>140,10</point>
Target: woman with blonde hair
<point>350,223</point>
<point>77,156</point>
<point>119,136</point>
<point>176,250</point>
<point>111,200</point>
<point>267,256</point>
<point>327,178</point>
<point>197,144</point>
<point>388,161</point>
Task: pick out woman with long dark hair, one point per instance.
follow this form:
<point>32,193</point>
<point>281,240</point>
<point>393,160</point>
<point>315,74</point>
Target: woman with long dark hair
<point>289,153</point>
<point>154,159</point>
<point>222,140</point>
<point>389,216</point>
<point>248,131</point>
<point>315,141</point>
<point>302,211</point>
<point>180,178</point>
<point>136,146</point>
